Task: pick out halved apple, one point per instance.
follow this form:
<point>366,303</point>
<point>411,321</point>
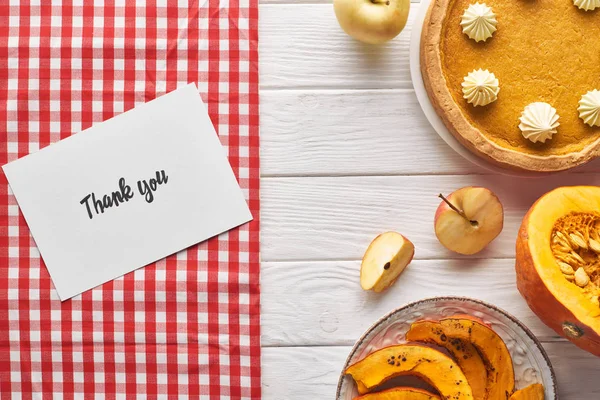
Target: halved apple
<point>468,220</point>
<point>400,393</point>
<point>385,259</point>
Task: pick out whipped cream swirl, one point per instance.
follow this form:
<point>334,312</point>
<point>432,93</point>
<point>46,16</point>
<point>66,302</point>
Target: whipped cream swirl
<point>539,122</point>
<point>480,87</point>
<point>479,22</point>
<point>589,108</point>
<point>587,5</point>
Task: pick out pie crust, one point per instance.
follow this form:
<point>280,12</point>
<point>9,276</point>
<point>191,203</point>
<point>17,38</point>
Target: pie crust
<point>476,139</point>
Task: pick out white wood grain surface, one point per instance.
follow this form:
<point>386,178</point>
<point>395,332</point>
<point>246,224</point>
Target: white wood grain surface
<point>321,303</point>
<point>347,154</point>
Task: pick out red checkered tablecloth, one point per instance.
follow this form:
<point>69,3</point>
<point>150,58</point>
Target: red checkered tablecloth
<point>186,326</point>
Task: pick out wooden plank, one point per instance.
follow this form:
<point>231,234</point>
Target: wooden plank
<point>335,218</point>
<point>301,373</point>
<point>351,133</point>
<point>347,132</point>
<point>298,373</point>
<point>576,371</point>
<point>321,303</point>
<point>303,46</point>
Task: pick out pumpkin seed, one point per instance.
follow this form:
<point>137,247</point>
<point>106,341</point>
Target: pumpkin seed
<point>578,239</point>
<point>564,249</point>
<point>562,240</point>
<point>595,246</point>
<point>556,239</point>
<point>565,268</point>
<point>560,235</point>
<point>568,259</point>
<point>581,278</point>
<point>577,257</point>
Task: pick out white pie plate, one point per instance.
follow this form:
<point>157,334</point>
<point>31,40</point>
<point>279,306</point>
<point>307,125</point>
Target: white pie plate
<point>435,121</point>
<point>530,361</point>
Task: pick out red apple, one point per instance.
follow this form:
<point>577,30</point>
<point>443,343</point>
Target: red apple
<point>468,220</point>
<point>385,259</point>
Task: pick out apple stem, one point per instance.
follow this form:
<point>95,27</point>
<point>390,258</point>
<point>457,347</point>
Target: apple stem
<point>386,2</point>
<point>459,212</point>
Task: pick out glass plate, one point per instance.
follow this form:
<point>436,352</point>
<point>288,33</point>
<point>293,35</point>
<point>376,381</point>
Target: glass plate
<point>530,361</point>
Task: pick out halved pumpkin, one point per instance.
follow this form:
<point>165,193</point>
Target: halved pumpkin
<point>500,372</point>
<point>465,354</point>
<point>531,392</point>
<point>558,263</point>
<point>431,365</point>
<point>400,393</point>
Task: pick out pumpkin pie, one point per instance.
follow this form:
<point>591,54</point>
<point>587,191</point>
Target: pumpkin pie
<point>543,51</point>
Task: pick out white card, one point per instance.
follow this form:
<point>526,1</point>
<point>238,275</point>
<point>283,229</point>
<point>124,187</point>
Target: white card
<point>164,166</point>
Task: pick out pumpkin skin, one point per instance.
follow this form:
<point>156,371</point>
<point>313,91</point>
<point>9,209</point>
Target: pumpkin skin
<point>557,302</point>
<point>500,372</point>
<point>465,354</point>
<point>400,393</point>
<point>531,392</point>
<point>431,365</point>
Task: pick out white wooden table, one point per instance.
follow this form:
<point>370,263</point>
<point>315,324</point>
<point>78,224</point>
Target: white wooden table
<point>347,154</point>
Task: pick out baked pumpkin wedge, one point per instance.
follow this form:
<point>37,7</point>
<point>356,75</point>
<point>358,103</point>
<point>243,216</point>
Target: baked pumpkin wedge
<point>431,365</point>
<point>531,392</point>
<point>500,372</point>
<point>400,393</point>
<point>558,263</point>
<point>465,354</point>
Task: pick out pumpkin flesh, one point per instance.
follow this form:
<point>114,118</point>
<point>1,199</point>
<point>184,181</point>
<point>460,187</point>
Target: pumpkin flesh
<point>400,393</point>
<point>572,311</point>
<point>431,365</point>
<point>500,372</point>
<point>531,392</point>
<point>465,354</point>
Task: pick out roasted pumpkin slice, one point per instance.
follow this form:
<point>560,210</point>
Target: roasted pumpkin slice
<point>558,263</point>
<point>500,372</point>
<point>465,354</point>
<point>400,393</point>
<point>431,365</point>
<point>531,392</point>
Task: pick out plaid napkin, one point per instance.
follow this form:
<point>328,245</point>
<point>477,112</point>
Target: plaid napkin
<point>186,326</point>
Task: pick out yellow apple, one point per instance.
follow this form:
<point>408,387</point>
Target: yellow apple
<point>468,220</point>
<point>385,259</point>
<point>372,21</point>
